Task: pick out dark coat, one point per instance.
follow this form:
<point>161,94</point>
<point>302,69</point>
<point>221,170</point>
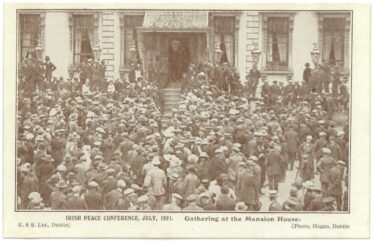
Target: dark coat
<point>246,187</point>
<point>292,140</point>
<point>75,203</point>
<point>218,166</point>
<point>94,200</point>
<point>275,206</point>
<point>273,163</point>
<point>335,181</point>
<point>111,199</point>
<point>316,204</point>
<point>109,184</point>
<point>58,200</point>
<point>49,68</point>
<point>225,203</point>
<point>29,184</point>
<point>324,166</point>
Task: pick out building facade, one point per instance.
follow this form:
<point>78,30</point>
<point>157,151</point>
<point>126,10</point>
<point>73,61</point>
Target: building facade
<point>284,38</point>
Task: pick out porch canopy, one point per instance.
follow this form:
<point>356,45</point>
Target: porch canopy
<point>179,21</point>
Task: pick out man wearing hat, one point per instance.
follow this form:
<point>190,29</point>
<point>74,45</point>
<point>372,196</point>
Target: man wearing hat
<point>93,198</point>
<point>224,201</point>
<point>191,205</point>
<point>292,144</point>
<point>29,184</point>
<point>110,183</point>
<point>58,197</point>
<point>46,169</point>
<point>204,167</point>
<point>273,167</point>
<point>265,92</point>
<point>148,166</point>
<point>308,194</point>
<point>307,73</point>
<point>316,204</point>
<point>320,143</point>
<point>190,182</point>
<point>274,206</point>
<point>335,188</point>
<point>306,169</point>
<point>246,188</point>
<point>205,201</point>
<point>218,163</point>
<point>324,166</point>
<point>232,162</point>
<point>124,203</point>
<point>142,204</point>
<point>36,201</point>
<point>111,198</point>
<point>253,78</point>
<point>156,181</point>
<point>328,204</point>
<point>49,68</point>
<point>101,174</point>
<point>175,204</point>
<point>292,203</point>
<point>75,201</point>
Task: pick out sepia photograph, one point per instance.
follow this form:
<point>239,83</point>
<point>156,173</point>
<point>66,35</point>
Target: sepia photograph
<point>177,110</point>
<point>181,121</point>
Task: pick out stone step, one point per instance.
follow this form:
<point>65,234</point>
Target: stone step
<point>173,90</point>
<point>175,99</point>
<point>172,95</point>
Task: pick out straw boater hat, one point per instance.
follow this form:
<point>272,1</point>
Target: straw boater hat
<point>93,184</point>
<point>177,196</point>
<point>328,200</point>
<point>61,184</point>
<point>156,161</point>
<point>240,206</point>
<point>341,163</point>
<point>308,185</point>
<point>273,193</point>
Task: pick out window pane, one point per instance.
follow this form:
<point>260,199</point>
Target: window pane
<point>277,47</point>
<point>224,31</point>
<point>83,37</point>
<point>130,22</point>
<point>333,41</point>
<point>29,33</point>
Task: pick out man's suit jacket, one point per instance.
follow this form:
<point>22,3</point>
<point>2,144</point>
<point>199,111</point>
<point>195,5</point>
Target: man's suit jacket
<point>49,68</point>
<point>292,140</point>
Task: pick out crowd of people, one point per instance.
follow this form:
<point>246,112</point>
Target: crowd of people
<point>88,148</point>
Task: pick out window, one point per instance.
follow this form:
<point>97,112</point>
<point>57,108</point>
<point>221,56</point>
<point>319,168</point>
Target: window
<point>83,34</point>
<point>30,34</point>
<point>277,43</point>
<point>333,41</point>
<point>130,36</point>
<point>224,37</point>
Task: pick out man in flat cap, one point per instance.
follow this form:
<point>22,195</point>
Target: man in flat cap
<point>156,182</point>
<point>58,197</point>
<point>175,203</point>
<point>75,201</point>
<point>335,188</point>
<point>273,167</point>
<point>274,206</point>
<point>93,198</point>
<point>191,203</point>
<point>324,166</point>
<point>111,198</point>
